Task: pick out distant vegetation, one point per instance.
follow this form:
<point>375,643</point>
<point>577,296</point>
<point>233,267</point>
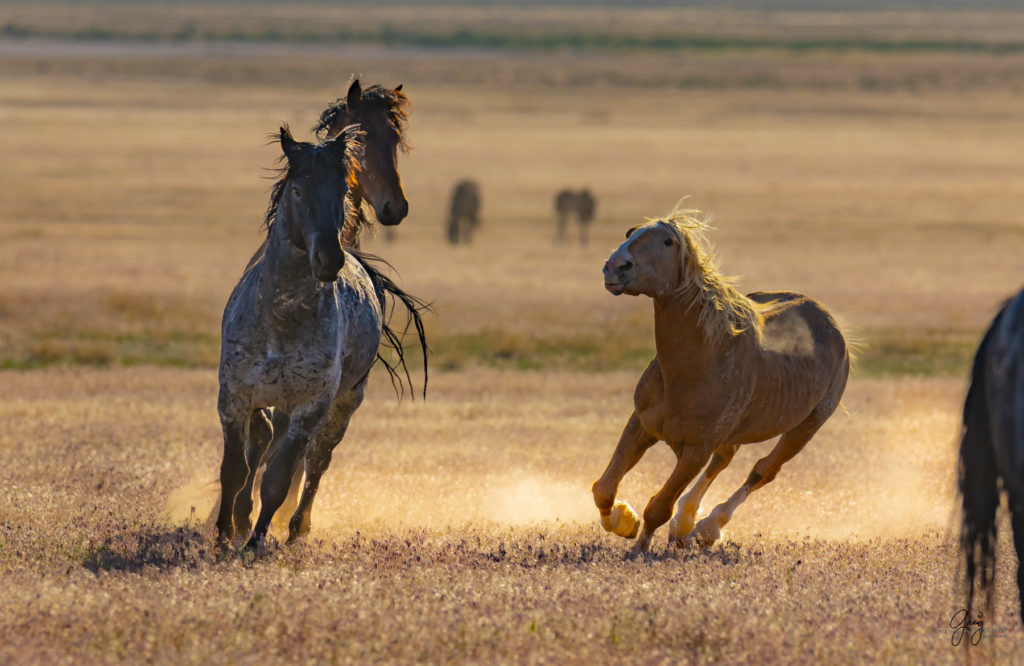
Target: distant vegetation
<point>652,26</point>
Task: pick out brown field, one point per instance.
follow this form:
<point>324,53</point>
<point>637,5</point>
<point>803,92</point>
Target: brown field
<point>883,180</point>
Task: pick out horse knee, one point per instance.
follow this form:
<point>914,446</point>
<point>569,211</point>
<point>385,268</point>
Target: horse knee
<point>604,496</point>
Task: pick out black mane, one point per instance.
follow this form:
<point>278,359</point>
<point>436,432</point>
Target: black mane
<point>392,104</point>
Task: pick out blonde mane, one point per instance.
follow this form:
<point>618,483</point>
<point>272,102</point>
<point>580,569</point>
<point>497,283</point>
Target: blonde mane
<point>723,311</point>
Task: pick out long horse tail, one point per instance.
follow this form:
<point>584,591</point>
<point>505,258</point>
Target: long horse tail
<point>978,481</point>
<point>390,295</point>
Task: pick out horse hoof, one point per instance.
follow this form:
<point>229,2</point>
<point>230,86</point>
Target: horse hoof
<point>680,526</point>
<point>622,521</point>
<point>705,534</point>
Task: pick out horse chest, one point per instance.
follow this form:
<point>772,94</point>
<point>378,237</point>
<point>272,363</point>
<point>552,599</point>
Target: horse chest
<point>284,378</point>
<point>708,410</point>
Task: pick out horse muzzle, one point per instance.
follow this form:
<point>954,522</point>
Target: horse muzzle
<point>326,263</point>
<point>617,274</point>
<point>390,215</point>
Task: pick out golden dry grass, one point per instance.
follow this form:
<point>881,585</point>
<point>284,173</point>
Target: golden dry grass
<point>876,203</point>
<point>886,184</point>
<point>461,528</point>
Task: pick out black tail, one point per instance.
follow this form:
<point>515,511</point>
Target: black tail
<point>385,288</point>
<point>979,483</point>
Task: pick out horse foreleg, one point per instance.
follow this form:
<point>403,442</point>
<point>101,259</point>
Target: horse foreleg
<point>791,443</point>
<point>233,467</point>
<point>686,510</point>
<point>632,445</point>
<point>318,458</point>
<point>278,474</point>
<point>260,434</point>
<point>659,508</point>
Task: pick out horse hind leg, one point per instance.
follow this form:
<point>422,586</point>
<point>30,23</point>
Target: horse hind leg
<point>318,458</point>
<point>708,530</point>
<point>686,510</point>
<point>291,500</point>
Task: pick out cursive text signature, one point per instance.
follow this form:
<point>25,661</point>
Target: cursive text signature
<point>966,626</point>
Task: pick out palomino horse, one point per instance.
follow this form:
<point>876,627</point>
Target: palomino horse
<point>464,212</point>
<point>301,331</point>
<point>382,114</point>
<point>729,370</point>
<point>579,204</point>
<point>992,449</point>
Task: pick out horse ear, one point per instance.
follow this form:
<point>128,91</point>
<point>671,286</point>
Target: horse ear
<point>355,93</point>
<point>398,88</point>
<point>288,144</point>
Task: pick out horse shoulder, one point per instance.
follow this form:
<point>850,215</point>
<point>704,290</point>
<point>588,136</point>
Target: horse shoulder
<point>649,399</point>
<point>359,310</point>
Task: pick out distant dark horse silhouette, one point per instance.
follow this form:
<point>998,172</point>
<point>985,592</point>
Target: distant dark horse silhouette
<point>992,450</point>
<point>581,205</point>
<point>464,212</point>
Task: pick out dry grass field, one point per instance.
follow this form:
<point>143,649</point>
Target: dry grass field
<point>871,160</point>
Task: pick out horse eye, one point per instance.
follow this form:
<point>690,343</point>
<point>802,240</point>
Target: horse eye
<point>296,191</point>
<point>630,232</point>
<point>668,242</point>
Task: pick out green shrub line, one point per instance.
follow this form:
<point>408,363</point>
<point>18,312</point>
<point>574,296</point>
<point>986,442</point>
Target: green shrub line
<point>474,38</point>
<point>885,353</point>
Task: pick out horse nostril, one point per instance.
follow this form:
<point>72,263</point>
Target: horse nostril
<point>626,265</point>
<point>405,208</point>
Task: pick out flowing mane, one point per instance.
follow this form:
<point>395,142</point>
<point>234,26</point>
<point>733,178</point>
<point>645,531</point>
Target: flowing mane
<point>351,136</point>
<point>392,103</point>
<point>723,310</point>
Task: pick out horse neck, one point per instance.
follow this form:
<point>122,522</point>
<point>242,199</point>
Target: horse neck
<point>679,338</point>
<point>286,284</point>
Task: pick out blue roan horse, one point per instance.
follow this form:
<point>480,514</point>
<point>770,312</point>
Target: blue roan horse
<point>992,449</point>
<point>300,333</point>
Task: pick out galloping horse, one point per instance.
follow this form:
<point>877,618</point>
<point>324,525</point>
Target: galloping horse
<point>729,370</point>
<point>381,115</point>
<point>300,333</point>
<point>992,449</point>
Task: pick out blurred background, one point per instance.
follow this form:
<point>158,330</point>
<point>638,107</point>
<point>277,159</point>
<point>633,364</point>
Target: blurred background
<point>865,153</point>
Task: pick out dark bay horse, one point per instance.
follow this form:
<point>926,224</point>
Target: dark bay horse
<point>992,450</point>
<point>382,114</point>
<point>463,212</point>
<point>301,331</point>
<point>729,370</point>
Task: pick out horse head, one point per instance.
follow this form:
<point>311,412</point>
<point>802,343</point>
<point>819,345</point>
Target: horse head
<point>381,114</point>
<point>649,262</point>
<point>311,197</point>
